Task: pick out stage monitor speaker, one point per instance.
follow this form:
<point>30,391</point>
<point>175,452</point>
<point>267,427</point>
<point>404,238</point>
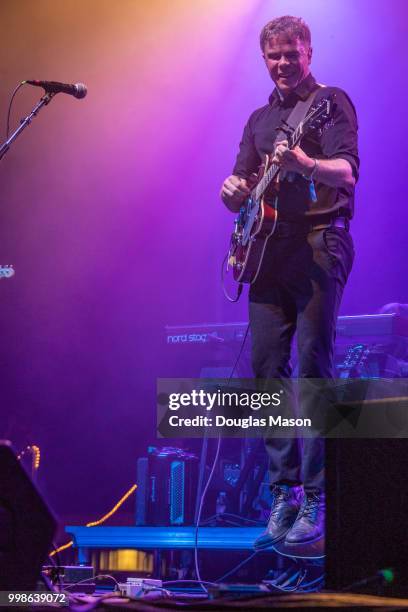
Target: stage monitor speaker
<point>367,509</point>
<point>27,526</point>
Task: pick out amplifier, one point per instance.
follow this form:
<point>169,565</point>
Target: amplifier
<point>167,481</point>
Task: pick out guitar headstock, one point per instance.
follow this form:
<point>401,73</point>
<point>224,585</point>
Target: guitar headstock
<point>6,271</point>
<point>318,115</point>
<point>355,358</point>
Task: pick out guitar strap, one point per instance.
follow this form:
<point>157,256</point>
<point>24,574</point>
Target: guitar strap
<point>298,113</point>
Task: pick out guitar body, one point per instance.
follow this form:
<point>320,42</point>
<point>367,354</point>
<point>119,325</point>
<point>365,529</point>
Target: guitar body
<point>255,225</point>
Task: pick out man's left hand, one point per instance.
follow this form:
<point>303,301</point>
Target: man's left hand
<point>294,160</point>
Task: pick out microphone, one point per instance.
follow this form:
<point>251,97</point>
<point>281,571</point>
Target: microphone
<point>78,90</point>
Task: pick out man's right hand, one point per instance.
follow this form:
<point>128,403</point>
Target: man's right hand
<point>234,191</point>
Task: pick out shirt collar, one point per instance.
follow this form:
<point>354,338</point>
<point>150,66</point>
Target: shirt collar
<point>303,89</point>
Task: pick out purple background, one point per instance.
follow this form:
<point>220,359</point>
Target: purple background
<point>110,210</point>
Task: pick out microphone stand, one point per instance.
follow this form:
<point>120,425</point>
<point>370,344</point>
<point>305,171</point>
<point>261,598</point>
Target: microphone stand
<point>24,122</point>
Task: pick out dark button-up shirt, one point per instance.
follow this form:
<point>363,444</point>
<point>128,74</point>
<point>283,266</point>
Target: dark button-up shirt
<point>338,139</point>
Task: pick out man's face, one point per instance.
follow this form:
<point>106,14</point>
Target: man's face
<point>287,61</point>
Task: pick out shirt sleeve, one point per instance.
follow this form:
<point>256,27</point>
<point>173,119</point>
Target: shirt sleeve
<point>248,160</point>
<point>339,139</point>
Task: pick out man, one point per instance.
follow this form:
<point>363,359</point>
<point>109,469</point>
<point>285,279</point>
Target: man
<point>306,262</point>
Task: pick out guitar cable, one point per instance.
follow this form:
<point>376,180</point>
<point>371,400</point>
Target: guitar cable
<point>218,448</point>
<point>210,477</point>
<point>239,290</point>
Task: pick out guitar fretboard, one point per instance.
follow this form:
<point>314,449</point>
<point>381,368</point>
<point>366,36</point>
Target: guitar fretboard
<point>293,140</point>
<point>271,173</point>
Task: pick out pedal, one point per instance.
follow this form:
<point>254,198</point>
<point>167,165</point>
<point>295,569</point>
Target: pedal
<point>137,587</point>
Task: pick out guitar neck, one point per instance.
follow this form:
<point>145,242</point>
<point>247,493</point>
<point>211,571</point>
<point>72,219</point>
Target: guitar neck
<point>273,170</point>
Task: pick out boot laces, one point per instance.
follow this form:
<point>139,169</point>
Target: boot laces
<point>311,506</point>
<point>280,496</point>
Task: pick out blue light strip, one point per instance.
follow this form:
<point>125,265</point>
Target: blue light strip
<point>226,538</point>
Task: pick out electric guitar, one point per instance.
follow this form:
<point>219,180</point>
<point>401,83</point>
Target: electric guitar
<point>257,219</point>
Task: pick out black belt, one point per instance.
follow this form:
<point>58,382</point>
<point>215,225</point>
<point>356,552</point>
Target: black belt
<point>285,229</point>
<point>343,222</point>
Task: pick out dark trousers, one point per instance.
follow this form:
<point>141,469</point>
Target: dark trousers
<point>299,289</point>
